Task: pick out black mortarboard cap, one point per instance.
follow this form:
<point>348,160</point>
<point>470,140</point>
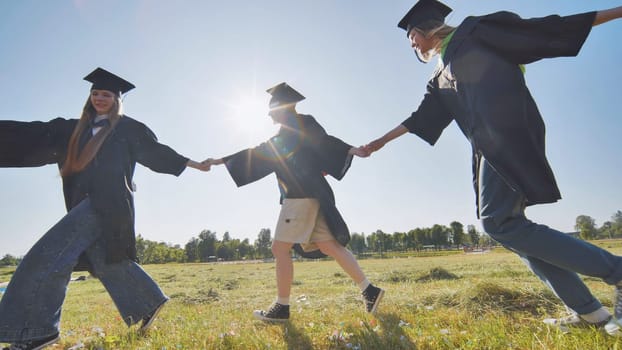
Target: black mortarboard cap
<point>423,11</point>
<point>104,80</point>
<point>283,94</point>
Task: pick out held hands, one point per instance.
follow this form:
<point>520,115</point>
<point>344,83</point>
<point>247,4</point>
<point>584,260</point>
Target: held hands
<point>368,149</point>
<point>359,152</point>
<point>211,161</point>
<point>374,145</point>
<point>205,165</point>
<point>199,166</point>
<point>380,142</point>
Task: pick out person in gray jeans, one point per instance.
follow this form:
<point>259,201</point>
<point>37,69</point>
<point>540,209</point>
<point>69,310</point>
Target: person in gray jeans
<point>480,84</point>
<point>96,156</point>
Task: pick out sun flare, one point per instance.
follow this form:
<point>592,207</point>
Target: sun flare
<point>249,115</point>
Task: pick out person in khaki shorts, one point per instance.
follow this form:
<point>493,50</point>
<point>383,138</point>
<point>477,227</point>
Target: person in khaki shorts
<point>301,154</point>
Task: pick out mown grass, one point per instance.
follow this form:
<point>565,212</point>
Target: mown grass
<point>465,301</point>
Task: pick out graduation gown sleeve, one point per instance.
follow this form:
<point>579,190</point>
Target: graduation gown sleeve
<point>430,119</point>
<point>32,144</point>
<point>251,164</point>
<point>334,157</point>
<point>332,152</point>
<point>147,151</point>
<point>523,41</point>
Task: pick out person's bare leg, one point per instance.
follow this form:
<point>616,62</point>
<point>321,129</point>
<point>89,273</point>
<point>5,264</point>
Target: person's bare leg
<point>372,295</point>
<point>284,268</point>
<point>344,258</point>
<point>279,310</point>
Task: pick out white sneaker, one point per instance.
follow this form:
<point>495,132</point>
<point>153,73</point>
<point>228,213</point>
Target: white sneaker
<point>574,320</point>
<point>564,322</point>
<point>614,327</point>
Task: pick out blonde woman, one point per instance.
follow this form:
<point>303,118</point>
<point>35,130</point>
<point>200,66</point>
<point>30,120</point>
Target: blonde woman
<point>96,155</point>
<point>479,83</point>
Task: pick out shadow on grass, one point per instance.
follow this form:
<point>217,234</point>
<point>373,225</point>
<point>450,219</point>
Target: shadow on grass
<point>112,341</point>
<point>385,331</point>
<point>295,338</point>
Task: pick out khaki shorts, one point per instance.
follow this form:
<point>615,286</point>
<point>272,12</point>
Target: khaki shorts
<point>301,221</point>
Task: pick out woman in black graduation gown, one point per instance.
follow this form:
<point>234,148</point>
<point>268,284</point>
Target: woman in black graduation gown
<point>300,154</point>
<point>479,83</point>
<point>96,156</point>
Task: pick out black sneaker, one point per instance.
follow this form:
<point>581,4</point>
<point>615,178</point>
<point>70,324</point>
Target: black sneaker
<point>34,344</point>
<point>148,320</point>
<point>372,296</point>
<point>276,313</point>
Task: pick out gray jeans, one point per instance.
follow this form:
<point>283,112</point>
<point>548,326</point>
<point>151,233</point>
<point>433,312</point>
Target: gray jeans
<point>555,257</point>
<point>30,308</point>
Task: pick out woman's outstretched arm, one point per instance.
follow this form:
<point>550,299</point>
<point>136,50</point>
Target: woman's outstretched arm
<point>607,15</point>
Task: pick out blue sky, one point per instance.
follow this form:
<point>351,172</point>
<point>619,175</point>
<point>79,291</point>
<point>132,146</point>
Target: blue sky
<point>201,69</point>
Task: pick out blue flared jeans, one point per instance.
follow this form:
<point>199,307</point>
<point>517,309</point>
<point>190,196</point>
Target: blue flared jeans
<point>30,308</point>
<point>555,257</point>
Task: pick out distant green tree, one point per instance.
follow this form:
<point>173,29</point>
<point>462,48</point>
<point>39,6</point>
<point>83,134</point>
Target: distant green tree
<point>421,237</point>
<point>226,237</point>
<point>486,241</point>
<point>207,244</point>
<point>473,235</point>
<point>379,242</point>
<point>616,224</point>
<point>387,241</point>
<point>9,260</point>
<point>151,252</point>
<point>192,250</point>
<point>457,233</point>
<point>440,235</point>
<point>606,230</point>
<point>357,243</point>
<point>224,251</point>
<point>399,241</point>
<point>155,253</point>
<point>586,225</point>
<point>140,248</point>
<point>176,254</point>
<point>246,250</point>
<point>411,240</point>
<point>264,242</point>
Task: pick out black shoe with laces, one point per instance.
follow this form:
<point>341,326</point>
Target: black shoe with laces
<point>34,344</point>
<point>372,296</point>
<point>276,313</point>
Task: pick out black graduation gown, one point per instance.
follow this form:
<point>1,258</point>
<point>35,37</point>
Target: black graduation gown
<point>107,180</point>
<point>299,154</point>
<point>480,85</point>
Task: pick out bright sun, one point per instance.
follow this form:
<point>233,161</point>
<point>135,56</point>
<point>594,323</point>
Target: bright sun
<point>249,115</point>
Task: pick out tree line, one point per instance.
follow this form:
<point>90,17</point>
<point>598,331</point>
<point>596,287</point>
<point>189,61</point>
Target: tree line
<point>587,229</point>
<point>206,247</point>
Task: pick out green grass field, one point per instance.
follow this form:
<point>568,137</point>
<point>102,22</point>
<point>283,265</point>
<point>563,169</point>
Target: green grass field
<point>463,301</point>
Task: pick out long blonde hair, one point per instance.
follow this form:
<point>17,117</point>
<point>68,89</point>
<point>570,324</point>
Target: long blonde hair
<point>433,28</point>
<point>77,160</point>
